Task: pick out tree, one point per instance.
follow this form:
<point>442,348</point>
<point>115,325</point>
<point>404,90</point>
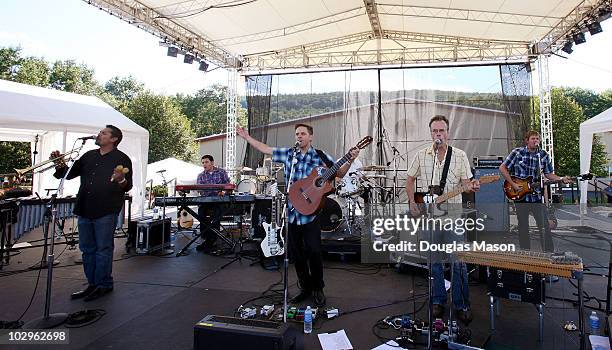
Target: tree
<point>72,77</point>
<point>567,116</point>
<point>124,89</point>
<point>170,134</point>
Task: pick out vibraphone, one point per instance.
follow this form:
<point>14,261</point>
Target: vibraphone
<point>567,265</point>
<point>32,210</point>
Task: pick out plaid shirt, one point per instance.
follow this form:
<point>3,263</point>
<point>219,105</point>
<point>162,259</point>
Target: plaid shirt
<point>303,168</point>
<point>522,163</point>
<point>216,176</point>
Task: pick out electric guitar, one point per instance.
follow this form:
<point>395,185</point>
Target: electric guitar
<point>528,186</point>
<point>307,194</point>
<point>273,243</point>
<point>436,199</point>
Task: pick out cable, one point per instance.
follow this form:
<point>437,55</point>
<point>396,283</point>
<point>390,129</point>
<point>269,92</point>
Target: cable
<point>84,318</point>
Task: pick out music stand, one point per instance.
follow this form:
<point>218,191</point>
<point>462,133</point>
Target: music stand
<point>52,320</point>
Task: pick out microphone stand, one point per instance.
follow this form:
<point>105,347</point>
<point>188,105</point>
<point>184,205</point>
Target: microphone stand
<point>286,232</point>
<point>52,320</point>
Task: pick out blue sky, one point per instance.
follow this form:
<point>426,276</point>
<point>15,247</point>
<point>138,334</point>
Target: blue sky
<point>72,29</point>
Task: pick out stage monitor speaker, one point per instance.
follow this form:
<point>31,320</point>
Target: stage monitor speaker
<point>490,201</point>
<point>221,332</point>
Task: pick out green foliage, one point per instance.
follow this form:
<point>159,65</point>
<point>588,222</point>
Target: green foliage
<point>15,155</point>
<point>160,191</point>
<point>170,133</point>
<point>123,90</point>
<point>592,103</point>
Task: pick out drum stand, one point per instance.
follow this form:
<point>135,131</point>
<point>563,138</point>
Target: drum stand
<point>52,320</point>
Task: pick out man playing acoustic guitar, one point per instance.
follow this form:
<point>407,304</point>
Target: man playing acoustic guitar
<point>304,230</point>
<point>522,163</point>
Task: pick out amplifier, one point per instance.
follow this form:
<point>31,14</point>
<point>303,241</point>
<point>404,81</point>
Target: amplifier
<point>149,235</point>
<point>222,332</point>
<point>518,286</point>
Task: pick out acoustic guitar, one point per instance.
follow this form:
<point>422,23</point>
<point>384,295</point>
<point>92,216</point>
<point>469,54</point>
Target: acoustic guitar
<point>528,186</point>
<point>307,194</point>
<point>428,198</point>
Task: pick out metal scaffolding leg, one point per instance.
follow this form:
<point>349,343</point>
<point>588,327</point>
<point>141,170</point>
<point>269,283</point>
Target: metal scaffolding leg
<point>232,102</point>
<point>546,126</point>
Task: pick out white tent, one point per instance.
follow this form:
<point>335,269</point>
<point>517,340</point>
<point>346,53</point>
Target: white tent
<point>184,173</point>
<point>598,124</point>
<point>58,118</point>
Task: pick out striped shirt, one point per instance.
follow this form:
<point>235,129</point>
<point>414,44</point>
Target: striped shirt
<point>423,166</point>
<point>522,163</point>
<point>305,163</point>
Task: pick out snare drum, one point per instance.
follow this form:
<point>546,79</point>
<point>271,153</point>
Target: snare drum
<point>246,186</point>
<point>350,186</point>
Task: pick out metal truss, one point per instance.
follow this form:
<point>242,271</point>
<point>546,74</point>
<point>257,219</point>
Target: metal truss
<point>372,12</point>
<point>168,29</point>
<point>335,18</point>
<point>546,125</point>
<point>467,15</point>
<point>573,22</point>
<point>232,104</point>
<point>388,56</point>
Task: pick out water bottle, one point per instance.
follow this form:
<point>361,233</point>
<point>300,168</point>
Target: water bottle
<point>593,322</point>
<point>308,320</point>
<point>172,239</point>
<point>155,213</point>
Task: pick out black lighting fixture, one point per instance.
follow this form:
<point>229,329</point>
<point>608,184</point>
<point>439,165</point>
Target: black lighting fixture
<point>203,66</point>
<point>594,27</point>
<point>579,38</point>
<point>172,51</point>
<point>567,48</point>
<point>188,59</point>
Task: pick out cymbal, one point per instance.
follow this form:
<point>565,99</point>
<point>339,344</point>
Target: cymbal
<point>372,168</point>
<point>240,168</point>
<point>374,176</point>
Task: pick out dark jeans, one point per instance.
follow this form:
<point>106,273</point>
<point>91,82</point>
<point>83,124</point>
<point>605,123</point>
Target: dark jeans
<point>207,213</point>
<point>97,243</point>
<point>305,248</point>
<point>459,282</point>
<point>540,214</point>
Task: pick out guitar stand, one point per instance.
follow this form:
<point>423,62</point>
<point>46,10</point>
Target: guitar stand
<point>217,219</point>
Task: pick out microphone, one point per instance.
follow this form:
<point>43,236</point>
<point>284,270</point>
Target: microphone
<point>437,143</point>
<point>92,137</point>
<point>297,144</point>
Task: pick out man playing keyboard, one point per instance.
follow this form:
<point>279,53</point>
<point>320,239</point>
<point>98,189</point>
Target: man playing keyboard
<point>208,211</point>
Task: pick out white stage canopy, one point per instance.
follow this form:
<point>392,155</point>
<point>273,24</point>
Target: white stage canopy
<point>255,36</point>
<point>58,118</point>
<point>598,124</point>
<point>184,173</point>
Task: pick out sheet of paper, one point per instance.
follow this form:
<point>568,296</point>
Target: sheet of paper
<point>335,341</point>
<point>390,345</point>
<point>447,285</point>
<point>599,342</point>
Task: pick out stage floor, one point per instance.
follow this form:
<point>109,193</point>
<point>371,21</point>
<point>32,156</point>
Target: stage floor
<point>157,300</point>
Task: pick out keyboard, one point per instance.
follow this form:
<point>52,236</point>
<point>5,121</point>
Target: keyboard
<point>188,201</point>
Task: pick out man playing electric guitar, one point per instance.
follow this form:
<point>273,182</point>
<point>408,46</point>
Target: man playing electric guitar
<point>524,162</point>
<point>448,167</point>
<point>304,230</point>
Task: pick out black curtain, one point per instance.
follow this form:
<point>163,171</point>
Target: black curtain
<point>259,90</point>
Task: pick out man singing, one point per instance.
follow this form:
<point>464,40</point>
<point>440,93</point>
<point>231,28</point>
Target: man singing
<point>304,230</point>
<point>209,211</point>
<point>99,201</point>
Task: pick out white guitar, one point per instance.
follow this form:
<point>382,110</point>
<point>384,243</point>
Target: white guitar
<point>273,243</point>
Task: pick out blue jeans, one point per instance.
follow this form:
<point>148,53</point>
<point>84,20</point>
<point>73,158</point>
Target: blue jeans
<point>459,285</point>
<point>97,243</point>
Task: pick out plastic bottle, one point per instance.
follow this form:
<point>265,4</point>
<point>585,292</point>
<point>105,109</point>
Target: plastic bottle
<point>172,239</point>
<point>308,320</point>
<point>155,213</point>
<point>594,323</point>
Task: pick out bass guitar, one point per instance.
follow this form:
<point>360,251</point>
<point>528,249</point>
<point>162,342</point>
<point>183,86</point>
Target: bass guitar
<point>429,198</point>
<point>307,194</point>
<point>273,243</point>
<point>528,186</point>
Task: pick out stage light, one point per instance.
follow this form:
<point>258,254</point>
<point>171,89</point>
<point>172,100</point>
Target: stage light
<point>579,38</point>
<point>203,66</point>
<point>594,28</point>
<point>172,51</point>
<point>188,59</point>
<point>567,48</point>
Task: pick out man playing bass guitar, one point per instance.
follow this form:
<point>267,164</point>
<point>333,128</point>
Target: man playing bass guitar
<point>522,163</point>
<point>304,230</point>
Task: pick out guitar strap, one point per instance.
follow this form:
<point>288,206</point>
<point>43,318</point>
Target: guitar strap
<point>449,152</point>
<point>324,158</point>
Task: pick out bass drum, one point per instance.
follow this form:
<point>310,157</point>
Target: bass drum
<point>331,215</point>
<point>246,186</point>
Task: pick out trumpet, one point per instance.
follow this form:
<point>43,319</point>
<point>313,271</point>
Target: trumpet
<point>62,157</point>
